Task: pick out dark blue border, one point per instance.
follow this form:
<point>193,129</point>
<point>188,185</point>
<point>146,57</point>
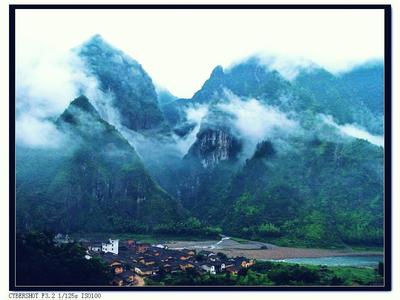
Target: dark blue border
<point>388,146</point>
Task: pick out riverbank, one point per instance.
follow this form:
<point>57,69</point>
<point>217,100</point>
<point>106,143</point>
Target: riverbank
<point>287,252</point>
<point>259,250</point>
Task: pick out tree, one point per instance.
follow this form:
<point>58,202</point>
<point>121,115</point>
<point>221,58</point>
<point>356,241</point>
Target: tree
<point>40,262</point>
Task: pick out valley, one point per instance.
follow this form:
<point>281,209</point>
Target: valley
<point>254,165</point>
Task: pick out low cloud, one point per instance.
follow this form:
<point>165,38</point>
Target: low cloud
<point>354,130</point>
<point>256,120</point>
<point>46,82</point>
<point>194,114</point>
<point>288,67</point>
<point>33,132</point>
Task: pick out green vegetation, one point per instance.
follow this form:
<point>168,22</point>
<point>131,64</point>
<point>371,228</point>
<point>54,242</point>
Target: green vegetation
<point>312,188</point>
<point>277,274</point>
<point>40,262</point>
<point>97,184</point>
<point>324,194</point>
<point>143,238</point>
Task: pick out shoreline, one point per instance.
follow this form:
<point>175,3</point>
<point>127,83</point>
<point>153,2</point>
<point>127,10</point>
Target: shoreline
<point>279,253</point>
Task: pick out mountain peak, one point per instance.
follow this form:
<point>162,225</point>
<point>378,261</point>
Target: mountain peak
<point>97,39</point>
<point>83,103</point>
<point>217,72</point>
<point>132,89</point>
<point>79,105</point>
<point>98,46</point>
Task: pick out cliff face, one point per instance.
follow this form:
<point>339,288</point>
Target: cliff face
<point>211,160</point>
<point>213,146</point>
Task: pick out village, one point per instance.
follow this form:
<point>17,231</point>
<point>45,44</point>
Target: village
<point>131,261</point>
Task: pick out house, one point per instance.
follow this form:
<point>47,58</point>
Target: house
<point>186,266</point>
<point>129,277</point>
<point>247,264</point>
<point>131,243</point>
<point>145,270</point>
<point>243,261</point>
<point>126,278</point>
<point>95,247</point>
<point>142,248</point>
<point>209,268</point>
<point>148,261</point>
<point>117,267</point>
<point>109,257</point>
<point>112,246</point>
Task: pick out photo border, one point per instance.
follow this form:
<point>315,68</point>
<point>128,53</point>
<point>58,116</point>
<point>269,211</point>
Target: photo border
<point>387,286</point>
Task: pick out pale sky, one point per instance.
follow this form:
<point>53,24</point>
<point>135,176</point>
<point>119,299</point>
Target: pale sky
<point>179,48</point>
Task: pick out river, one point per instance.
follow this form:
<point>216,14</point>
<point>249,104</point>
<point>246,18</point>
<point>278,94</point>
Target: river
<point>354,261</point>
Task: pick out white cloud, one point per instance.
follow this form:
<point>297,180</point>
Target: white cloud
<point>255,120</point>
<point>179,48</point>
<point>355,131</point>
<point>35,133</point>
<point>194,114</point>
<point>288,67</point>
<point>46,82</point>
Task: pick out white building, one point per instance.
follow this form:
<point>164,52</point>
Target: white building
<point>95,248</point>
<point>211,269</point>
<point>112,246</point>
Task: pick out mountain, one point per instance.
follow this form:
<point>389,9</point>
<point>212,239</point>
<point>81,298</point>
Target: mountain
<point>249,79</point>
<point>351,97</point>
<point>314,195</point>
<point>100,175</point>
<point>132,90</point>
<point>164,96</point>
<point>253,154</point>
<point>295,187</point>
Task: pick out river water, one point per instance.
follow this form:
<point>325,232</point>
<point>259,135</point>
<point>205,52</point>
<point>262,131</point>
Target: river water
<point>354,261</point>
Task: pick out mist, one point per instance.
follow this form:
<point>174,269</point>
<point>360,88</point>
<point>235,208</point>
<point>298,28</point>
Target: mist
<point>46,83</point>
<point>194,114</point>
<point>35,133</point>
<point>354,130</point>
<point>287,66</point>
<point>256,121</point>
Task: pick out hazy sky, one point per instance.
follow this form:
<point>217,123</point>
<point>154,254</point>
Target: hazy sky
<point>179,48</point>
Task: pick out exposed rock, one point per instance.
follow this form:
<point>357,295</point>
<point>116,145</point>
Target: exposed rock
<point>215,145</point>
